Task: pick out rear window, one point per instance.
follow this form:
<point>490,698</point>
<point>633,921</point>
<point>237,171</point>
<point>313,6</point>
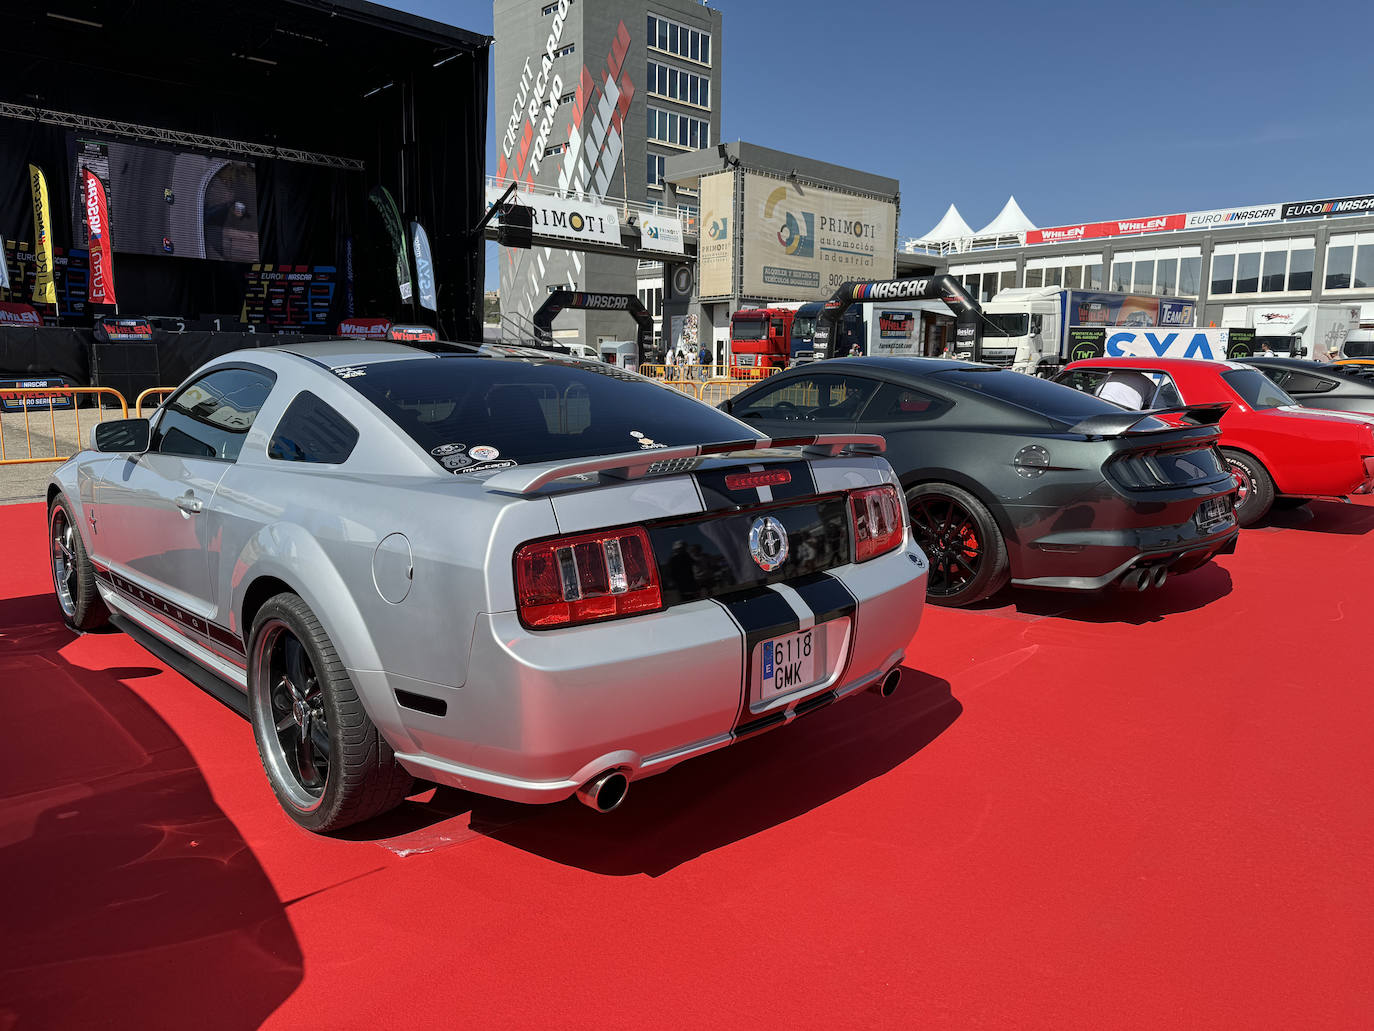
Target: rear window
<point>1256,389</point>
<point>473,413</point>
<point>1052,400</point>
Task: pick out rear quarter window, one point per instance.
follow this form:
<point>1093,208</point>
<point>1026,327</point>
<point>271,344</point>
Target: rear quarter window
<point>1256,389</point>
<point>311,431</point>
<point>1043,397</point>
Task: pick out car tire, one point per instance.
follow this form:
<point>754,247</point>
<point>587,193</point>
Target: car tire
<point>968,557</point>
<point>1256,487</point>
<point>325,759</point>
<point>73,576</point>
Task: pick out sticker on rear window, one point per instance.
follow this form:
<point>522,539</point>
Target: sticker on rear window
<point>455,462</point>
<point>645,443</point>
<point>484,452</point>
<point>486,467</point>
<point>350,371</point>
<point>446,449</point>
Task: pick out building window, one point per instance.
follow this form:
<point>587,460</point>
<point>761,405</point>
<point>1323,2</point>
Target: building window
<point>1271,277</point>
<point>557,148</point>
<point>682,86</point>
<point>567,98</point>
<point>1350,262</point>
<point>1223,273</point>
<point>550,8</point>
<point>655,163</point>
<point>678,130</point>
<point>1166,272</point>
<point>565,51</point>
<point>1300,268</point>
<point>672,38</point>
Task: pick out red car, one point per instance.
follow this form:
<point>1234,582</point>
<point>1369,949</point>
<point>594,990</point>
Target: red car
<point>1276,448</point>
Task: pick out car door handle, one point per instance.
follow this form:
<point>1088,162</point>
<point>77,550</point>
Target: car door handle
<point>188,502</point>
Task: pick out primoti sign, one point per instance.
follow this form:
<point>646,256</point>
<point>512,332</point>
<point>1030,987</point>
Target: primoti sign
<point>565,217</point>
<point>802,242</point>
<point>661,233</point>
<point>715,247</point>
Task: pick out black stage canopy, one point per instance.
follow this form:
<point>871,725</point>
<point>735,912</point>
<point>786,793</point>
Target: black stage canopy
<point>313,102</point>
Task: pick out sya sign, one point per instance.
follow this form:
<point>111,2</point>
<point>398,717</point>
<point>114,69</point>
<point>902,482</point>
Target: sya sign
<point>1160,343</point>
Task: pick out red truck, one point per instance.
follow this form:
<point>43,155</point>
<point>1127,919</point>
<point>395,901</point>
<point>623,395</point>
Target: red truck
<point>760,339</point>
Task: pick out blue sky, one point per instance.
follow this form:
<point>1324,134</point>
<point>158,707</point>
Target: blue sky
<point>1085,111</point>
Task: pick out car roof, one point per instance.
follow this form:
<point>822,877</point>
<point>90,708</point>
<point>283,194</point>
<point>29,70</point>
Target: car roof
<point>1303,364</point>
<point>1163,364</point>
<point>337,354</point>
<point>891,363</point>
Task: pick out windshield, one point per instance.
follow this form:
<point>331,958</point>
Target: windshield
<point>473,413</point>
<point>749,329</point>
<point>1256,389</point>
<point>1052,400</point>
<point>1007,324</point>
<point>803,329</point>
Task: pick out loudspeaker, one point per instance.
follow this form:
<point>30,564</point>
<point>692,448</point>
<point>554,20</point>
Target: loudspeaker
<point>517,226</point>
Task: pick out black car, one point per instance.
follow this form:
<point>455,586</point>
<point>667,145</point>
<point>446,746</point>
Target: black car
<point>1011,477</point>
<point>1336,388</point>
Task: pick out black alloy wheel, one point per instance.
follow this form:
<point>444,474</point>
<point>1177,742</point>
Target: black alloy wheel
<point>73,576</point>
<point>968,558</point>
<point>325,759</point>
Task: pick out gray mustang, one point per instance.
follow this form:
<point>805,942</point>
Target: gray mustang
<point>509,572</point>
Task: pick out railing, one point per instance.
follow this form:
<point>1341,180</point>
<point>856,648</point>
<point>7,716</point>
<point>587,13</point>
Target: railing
<point>711,391</point>
<point>704,372</point>
<point>691,219</point>
<point>161,393</point>
<point>69,416</point>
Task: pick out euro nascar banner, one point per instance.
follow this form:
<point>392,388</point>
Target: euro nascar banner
<point>102,289</point>
<point>395,229</point>
<point>424,267</point>
<point>44,285</point>
<point>1334,206</point>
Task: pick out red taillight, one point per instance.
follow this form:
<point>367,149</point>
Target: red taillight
<point>585,578</point>
<point>767,478</point>
<point>877,514</point>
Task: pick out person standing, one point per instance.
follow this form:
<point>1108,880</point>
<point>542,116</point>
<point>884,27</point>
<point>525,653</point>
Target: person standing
<point>704,356</point>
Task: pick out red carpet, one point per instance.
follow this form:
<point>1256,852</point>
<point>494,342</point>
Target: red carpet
<point>1117,811</point>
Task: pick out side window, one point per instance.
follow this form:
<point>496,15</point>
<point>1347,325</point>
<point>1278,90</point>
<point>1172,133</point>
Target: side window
<point>1086,380</point>
<point>211,417</point>
<point>1166,394</point>
<point>811,399</point>
<point>893,403</point>
<point>1304,383</point>
<point>311,431</point>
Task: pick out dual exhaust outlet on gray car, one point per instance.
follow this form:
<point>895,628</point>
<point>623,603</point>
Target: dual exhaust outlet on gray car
<point>608,790</point>
<point>1140,579</point>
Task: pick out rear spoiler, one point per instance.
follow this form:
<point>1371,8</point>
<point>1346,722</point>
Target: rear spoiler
<point>632,465</point>
<point>1124,424</point>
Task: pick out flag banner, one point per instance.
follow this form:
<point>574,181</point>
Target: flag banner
<point>4,267</point>
<point>348,277</point>
<point>44,284</point>
<point>102,289</point>
<point>424,267</point>
<point>395,229</point>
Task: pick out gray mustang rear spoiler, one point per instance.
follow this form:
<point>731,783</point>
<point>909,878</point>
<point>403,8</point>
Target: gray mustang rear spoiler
<point>635,464</point>
<point>1123,424</point>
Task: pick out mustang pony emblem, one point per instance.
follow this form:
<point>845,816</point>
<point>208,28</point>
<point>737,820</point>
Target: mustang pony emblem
<point>768,543</point>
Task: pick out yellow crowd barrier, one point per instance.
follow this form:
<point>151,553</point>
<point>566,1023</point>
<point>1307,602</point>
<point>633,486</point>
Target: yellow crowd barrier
<point>161,393</point>
<point>51,394</point>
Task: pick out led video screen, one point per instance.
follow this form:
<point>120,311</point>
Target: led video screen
<point>165,201</point>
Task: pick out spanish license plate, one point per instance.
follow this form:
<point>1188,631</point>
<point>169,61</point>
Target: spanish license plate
<point>1213,512</point>
<point>787,663</point>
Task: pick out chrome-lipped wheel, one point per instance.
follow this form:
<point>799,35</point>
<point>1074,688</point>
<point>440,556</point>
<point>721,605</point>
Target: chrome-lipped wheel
<point>64,562</point>
<point>297,745</point>
<point>950,537</point>
<point>1244,485</point>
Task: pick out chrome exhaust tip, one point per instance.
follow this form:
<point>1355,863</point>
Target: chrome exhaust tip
<point>887,687</point>
<point>1161,574</point>
<point>1135,580</point>
<point>606,792</point>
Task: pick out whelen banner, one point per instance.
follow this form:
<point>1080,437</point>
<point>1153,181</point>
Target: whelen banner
<point>1098,230</point>
<point>661,233</point>
<point>715,247</point>
<point>800,243</point>
<point>565,217</point>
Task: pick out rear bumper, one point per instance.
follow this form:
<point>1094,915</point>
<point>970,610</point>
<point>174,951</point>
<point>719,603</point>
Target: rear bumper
<point>1091,558</point>
<point>542,713</point>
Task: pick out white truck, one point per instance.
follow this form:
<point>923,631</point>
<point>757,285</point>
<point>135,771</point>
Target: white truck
<point>1299,330</point>
<point>1031,329</point>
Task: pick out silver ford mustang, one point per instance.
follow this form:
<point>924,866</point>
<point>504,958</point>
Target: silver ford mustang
<point>505,571</point>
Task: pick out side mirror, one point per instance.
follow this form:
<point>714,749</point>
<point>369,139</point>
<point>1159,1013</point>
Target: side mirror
<point>122,435</point>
